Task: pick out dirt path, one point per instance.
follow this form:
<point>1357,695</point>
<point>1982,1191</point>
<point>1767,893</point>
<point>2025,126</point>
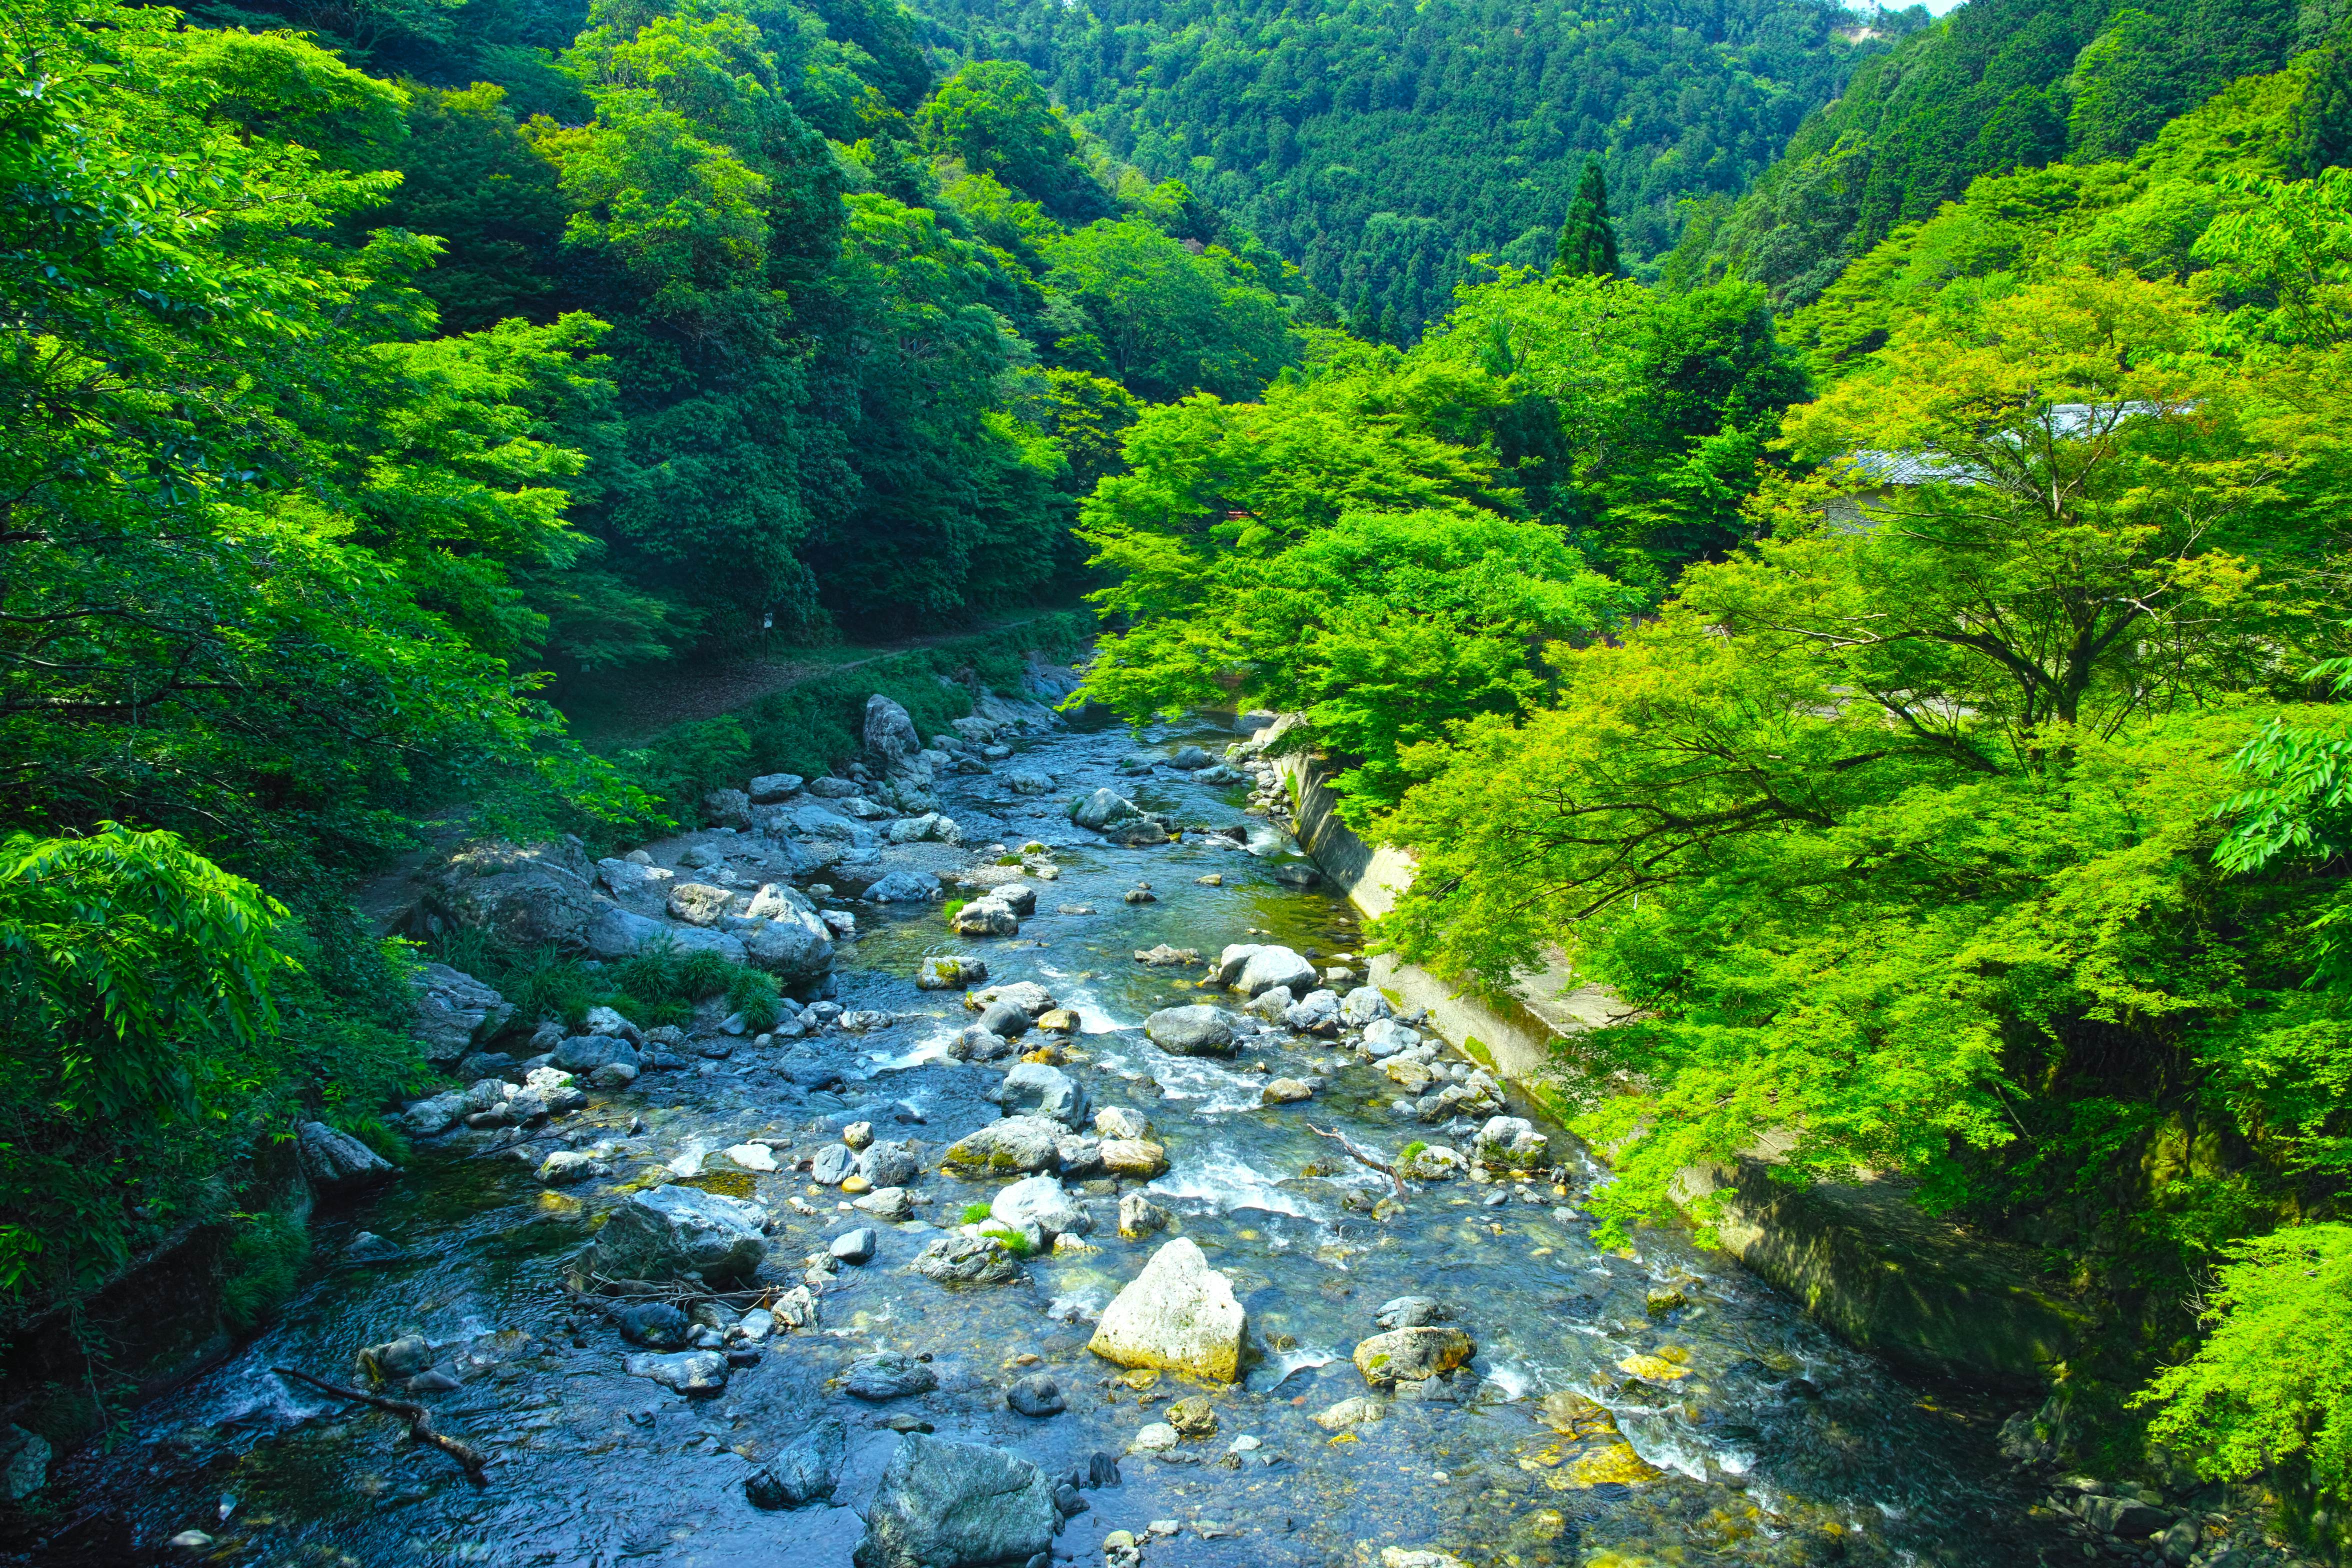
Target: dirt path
<point>640,703</point>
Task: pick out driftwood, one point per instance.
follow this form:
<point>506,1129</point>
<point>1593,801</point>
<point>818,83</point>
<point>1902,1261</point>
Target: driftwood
<point>419,1419</point>
<point>1362,1156</point>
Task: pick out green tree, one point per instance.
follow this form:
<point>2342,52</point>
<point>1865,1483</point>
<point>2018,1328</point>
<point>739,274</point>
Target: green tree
<point>993,114</point>
<point>1587,241</point>
<point>1385,629</point>
<point>1169,321</point>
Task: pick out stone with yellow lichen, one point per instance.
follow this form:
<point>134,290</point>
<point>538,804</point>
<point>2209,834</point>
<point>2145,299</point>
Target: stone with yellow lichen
<point>1566,1411</point>
<point>1652,1368</point>
<point>1615,1465</point>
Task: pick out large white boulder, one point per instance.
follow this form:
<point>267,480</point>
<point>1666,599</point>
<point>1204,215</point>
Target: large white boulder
<point>1271,967</point>
<point>1177,1315</point>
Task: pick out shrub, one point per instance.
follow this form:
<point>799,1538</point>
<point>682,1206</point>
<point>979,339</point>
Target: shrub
<point>2270,1390</point>
<point>264,1267</point>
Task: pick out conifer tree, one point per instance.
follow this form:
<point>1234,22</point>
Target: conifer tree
<point>1588,245</point>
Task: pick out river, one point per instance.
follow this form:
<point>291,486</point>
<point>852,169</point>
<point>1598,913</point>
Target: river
<point>1741,1434</point>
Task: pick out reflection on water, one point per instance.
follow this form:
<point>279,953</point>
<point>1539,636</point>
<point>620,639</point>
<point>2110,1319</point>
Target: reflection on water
<point>1725,1429</point>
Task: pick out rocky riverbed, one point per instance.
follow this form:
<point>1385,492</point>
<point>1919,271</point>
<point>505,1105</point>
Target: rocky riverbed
<point>1048,1230</point>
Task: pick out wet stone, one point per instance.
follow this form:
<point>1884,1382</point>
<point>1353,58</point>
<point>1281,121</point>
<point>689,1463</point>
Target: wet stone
<point>1036,1395</point>
<point>888,1374</point>
<point>697,1373</point>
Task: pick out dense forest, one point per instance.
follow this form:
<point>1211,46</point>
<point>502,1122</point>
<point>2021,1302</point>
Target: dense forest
<point>1996,86</point>
<point>1837,527</point>
<point>1381,145</point>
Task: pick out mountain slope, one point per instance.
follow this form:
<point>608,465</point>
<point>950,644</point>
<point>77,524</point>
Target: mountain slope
<point>1998,85</point>
<point>1379,145</point>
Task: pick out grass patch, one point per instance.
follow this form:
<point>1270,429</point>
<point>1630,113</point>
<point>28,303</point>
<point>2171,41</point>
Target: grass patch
<point>1409,1149</point>
<point>975,1212</point>
<point>659,984</point>
<point>1014,1242</point>
<point>951,907</point>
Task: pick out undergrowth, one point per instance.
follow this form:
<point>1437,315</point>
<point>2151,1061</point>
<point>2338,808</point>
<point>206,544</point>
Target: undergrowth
<point>661,984</point>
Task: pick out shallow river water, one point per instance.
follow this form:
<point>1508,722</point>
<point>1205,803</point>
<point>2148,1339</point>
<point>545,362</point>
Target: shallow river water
<point>1756,1438</point>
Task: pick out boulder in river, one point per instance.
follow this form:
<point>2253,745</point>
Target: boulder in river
<point>424,1118</point>
<point>833,1164</point>
<point>1137,1159</point>
<point>691,1373</point>
<point>1351,1412</point>
<point>672,1232</point>
<point>1037,1395</point>
<point>769,788</point>
<point>1413,1355</point>
<point>1432,1162</point>
<point>699,903</point>
<point>807,1471</point>
<point>943,1504</point>
<point>891,1163</point>
<point>1102,809</point>
<point>528,897</point>
<point>1119,1121</point>
<point>967,1260</point>
<point>1316,1013</point>
<point>1509,1142</point>
<point>890,737</point>
<point>1016,1144</point>
<point>1035,1089</point>
<point>1004,1018</point>
<point>1271,967</point>
<point>1030,998</point>
<point>1177,1315</point>
<point>903,886</point>
<point>1412,1312</point>
<point>1138,1216</point>
<point>947,973</point>
<point>616,933</point>
<point>1363,1005</point>
<point>656,1325</point>
<point>1233,960</point>
<point>1199,1030</point>
<point>888,1374</point>
<point>336,1164</point>
<point>793,944</point>
<point>853,1247</point>
<point>1039,1201</point>
<point>985,917</point>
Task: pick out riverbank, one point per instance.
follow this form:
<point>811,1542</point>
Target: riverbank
<point>1860,1257</point>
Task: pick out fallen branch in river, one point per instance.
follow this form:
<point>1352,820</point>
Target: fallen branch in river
<point>1362,1156</point>
<point>419,1419</point>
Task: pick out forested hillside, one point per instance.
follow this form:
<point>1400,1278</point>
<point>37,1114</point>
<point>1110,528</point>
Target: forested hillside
<point>2001,85</point>
<point>1377,145</point>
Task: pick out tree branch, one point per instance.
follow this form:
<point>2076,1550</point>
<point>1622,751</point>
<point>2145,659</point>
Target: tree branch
<point>419,1419</point>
